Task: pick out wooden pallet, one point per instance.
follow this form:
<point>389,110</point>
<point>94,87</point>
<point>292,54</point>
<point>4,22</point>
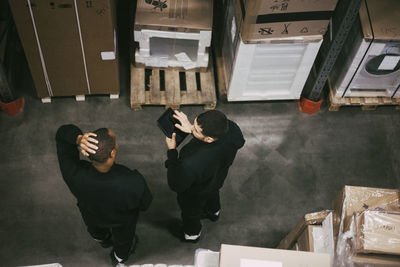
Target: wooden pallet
<point>172,88</point>
<point>366,103</point>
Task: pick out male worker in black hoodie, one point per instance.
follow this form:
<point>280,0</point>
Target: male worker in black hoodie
<point>197,174</point>
<point>109,195</point>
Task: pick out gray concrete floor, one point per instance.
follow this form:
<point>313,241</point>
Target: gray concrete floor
<point>292,164</point>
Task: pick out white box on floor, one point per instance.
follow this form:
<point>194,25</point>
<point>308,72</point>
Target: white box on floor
<point>240,256</point>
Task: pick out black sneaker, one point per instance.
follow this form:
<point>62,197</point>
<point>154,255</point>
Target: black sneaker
<point>177,231</point>
<point>211,216</point>
<point>108,242</point>
<point>115,261</point>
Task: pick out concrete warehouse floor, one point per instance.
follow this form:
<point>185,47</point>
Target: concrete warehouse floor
<point>292,164</point>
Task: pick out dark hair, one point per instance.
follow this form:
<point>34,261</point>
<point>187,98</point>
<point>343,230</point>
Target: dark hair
<point>105,146</point>
<point>213,123</point>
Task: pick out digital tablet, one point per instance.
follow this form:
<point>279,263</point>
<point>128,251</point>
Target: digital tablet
<point>167,122</point>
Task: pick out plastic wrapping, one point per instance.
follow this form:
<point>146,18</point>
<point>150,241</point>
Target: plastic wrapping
<point>351,206</point>
<point>206,258</point>
<point>377,232</point>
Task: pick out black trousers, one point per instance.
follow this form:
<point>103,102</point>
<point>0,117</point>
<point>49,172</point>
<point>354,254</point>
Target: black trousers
<point>122,236</point>
<point>192,208</point>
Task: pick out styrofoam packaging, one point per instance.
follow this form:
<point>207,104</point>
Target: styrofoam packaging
<point>206,258</point>
<point>172,49</point>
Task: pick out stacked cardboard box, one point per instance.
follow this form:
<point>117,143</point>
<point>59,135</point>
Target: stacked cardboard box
<point>173,33</point>
<point>269,46</point>
<point>369,63</point>
<point>70,45</point>
<point>365,229</point>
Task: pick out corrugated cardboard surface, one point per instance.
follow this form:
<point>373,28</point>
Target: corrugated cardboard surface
<point>306,239</point>
<point>231,256</point>
<point>98,24</point>
<point>60,42</point>
<point>285,18</point>
<point>191,14</point>
<point>381,19</point>
<point>356,199</point>
<point>378,232</point>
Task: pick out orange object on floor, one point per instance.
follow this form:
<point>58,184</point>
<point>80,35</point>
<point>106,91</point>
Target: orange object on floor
<point>14,107</point>
<point>308,106</point>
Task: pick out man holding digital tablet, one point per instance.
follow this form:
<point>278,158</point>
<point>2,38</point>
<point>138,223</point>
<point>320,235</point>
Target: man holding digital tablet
<point>198,172</point>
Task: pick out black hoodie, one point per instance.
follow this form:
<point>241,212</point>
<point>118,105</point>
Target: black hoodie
<point>201,167</point>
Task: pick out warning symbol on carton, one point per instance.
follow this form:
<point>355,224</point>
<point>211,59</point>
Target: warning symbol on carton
<point>157,4</point>
<point>286,30</point>
<point>266,31</point>
<point>304,30</point>
<point>89,4</point>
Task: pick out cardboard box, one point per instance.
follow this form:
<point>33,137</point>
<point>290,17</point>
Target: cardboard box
<point>308,219</point>
<point>173,33</point>
<point>184,16</point>
<point>240,256</point>
<point>378,232</point>
<point>70,45</point>
<point>356,199</point>
<point>306,239</point>
<point>372,38</point>
<point>264,19</point>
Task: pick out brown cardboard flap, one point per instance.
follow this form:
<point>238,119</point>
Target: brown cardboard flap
<point>258,7</point>
<point>265,19</point>
<point>381,19</point>
<point>193,14</point>
<point>308,219</point>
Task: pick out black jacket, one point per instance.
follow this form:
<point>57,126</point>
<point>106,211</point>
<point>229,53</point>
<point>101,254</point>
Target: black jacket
<point>201,167</point>
<point>104,199</point>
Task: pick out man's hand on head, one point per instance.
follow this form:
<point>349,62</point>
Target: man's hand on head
<point>185,125</point>
<point>171,142</point>
<point>87,144</point>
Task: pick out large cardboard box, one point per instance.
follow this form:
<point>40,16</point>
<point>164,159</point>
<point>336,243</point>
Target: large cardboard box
<point>184,16</point>
<point>356,199</point>
<point>173,33</point>
<point>265,71</point>
<point>70,45</point>
<point>369,62</point>
<point>378,232</point>
<point>264,19</point>
<point>240,256</point>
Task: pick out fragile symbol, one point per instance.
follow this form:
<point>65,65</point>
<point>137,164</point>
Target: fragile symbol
<point>89,4</point>
<point>304,30</point>
<point>266,31</point>
<point>157,4</point>
<point>286,30</point>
